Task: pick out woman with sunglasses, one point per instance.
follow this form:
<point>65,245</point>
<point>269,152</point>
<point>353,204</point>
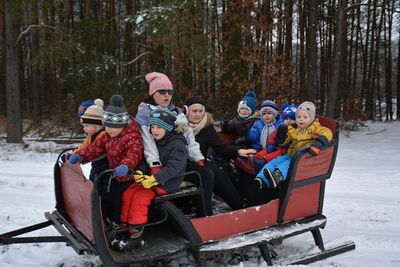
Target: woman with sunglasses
<point>160,97</point>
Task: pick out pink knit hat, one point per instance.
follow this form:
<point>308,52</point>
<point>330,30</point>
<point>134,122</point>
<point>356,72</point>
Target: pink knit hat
<point>157,81</point>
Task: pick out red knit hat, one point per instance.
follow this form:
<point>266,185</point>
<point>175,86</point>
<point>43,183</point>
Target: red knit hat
<point>158,81</point>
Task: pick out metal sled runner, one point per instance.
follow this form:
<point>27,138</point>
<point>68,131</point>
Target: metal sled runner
<point>298,210</point>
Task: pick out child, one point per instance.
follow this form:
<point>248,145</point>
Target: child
<point>246,115</point>
<point>91,114</point>
<point>137,198</point>
<point>254,164</point>
<point>308,132</point>
<point>264,127</point>
<point>124,148</point>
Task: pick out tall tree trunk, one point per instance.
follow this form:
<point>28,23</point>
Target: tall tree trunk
<point>398,78</point>
<point>3,101</point>
<point>302,63</point>
<point>36,92</point>
<point>14,118</point>
<point>388,64</point>
<point>311,51</point>
<point>338,61</point>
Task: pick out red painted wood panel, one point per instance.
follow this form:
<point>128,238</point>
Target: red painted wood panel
<point>76,193</point>
<point>310,166</point>
<point>228,224</point>
<point>303,202</point>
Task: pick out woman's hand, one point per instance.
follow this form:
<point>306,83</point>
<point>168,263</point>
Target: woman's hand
<point>247,152</point>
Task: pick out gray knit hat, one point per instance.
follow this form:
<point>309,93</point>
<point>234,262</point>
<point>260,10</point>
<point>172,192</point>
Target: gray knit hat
<point>269,106</point>
<point>115,115</point>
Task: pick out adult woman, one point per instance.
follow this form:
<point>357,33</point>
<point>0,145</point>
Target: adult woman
<point>160,97</point>
<point>202,125</point>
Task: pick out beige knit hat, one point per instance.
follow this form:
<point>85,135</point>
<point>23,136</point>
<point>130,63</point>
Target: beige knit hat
<point>94,113</point>
<point>309,107</point>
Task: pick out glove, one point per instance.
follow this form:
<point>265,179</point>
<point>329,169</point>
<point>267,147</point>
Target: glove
<point>121,170</point>
<point>201,163</point>
<point>225,120</point>
<point>149,181</point>
<point>155,169</point>
<point>73,158</point>
<point>139,176</point>
<point>281,134</point>
<point>319,143</point>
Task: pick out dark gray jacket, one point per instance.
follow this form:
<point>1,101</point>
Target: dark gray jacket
<point>173,156</point>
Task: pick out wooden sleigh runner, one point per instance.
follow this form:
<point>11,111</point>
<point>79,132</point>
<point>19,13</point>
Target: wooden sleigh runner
<point>298,210</point>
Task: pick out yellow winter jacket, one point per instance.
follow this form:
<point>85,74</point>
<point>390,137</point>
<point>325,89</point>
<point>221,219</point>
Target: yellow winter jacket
<point>300,137</point>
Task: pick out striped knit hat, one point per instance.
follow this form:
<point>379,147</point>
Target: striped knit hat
<point>163,118</point>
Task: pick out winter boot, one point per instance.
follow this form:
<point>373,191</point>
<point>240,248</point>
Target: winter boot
<point>132,241</point>
<point>258,183</point>
<point>274,178</point>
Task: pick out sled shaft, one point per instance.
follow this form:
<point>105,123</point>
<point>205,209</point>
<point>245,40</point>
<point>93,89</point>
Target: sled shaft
<point>325,254</point>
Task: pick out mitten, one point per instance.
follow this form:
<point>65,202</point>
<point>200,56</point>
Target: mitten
<point>155,169</point>
<point>281,134</point>
<point>139,176</point>
<point>271,148</point>
<point>261,154</point>
<point>74,158</point>
<point>149,181</point>
<point>201,163</point>
<point>318,144</point>
<point>121,170</point>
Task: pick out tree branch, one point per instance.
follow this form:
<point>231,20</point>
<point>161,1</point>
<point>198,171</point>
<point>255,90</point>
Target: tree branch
<point>32,26</point>
<point>139,56</point>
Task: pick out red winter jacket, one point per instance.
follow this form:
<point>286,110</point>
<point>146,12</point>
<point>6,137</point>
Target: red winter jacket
<point>124,149</point>
<point>271,155</point>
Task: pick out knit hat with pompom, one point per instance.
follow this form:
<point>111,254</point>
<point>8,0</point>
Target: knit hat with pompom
<point>115,115</point>
<point>94,113</point>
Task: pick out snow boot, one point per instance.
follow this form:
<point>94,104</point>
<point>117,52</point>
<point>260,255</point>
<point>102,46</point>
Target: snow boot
<point>132,241</point>
<point>274,178</point>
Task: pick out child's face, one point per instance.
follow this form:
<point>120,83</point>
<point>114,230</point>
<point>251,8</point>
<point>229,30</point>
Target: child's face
<point>268,117</point>
<point>289,121</point>
<point>113,132</point>
<point>244,112</point>
<point>157,132</point>
<point>303,119</point>
<point>163,97</point>
<point>90,129</point>
<point>195,113</point>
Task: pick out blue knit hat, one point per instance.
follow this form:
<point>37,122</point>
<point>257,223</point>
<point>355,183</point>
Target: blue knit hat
<point>249,101</point>
<point>290,112</point>
<point>83,106</point>
<point>163,118</point>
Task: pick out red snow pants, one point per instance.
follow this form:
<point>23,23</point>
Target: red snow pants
<point>135,203</point>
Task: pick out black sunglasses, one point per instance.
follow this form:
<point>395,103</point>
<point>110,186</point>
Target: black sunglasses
<point>166,91</point>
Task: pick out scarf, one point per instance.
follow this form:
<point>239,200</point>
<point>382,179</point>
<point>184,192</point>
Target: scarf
<point>197,127</point>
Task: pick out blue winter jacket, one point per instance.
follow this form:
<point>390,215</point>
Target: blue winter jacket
<point>254,134</point>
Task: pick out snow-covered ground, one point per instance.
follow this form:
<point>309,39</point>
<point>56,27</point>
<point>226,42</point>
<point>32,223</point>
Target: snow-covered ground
<point>362,204</point>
